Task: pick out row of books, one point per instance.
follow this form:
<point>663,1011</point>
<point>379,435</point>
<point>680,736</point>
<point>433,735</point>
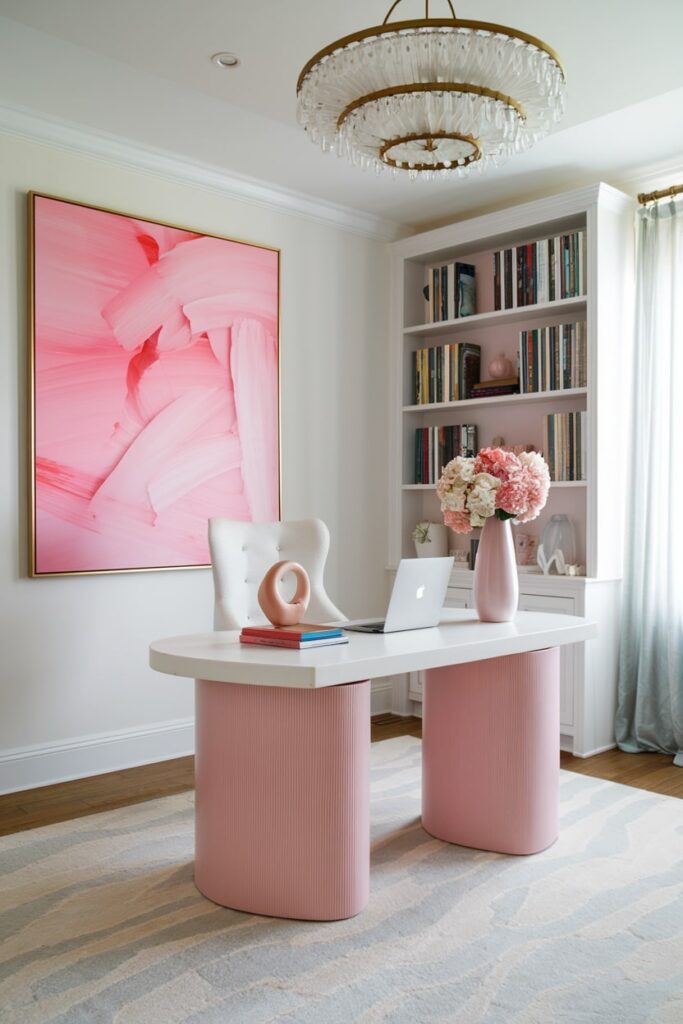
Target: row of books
<point>435,446</point>
<point>450,292</point>
<point>553,268</point>
<point>553,358</point>
<point>565,445</point>
<point>300,637</point>
<point>445,373</point>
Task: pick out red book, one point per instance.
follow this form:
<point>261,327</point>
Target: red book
<point>292,645</point>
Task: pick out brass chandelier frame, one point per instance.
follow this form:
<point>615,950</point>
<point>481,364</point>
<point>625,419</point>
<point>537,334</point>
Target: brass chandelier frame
<point>395,28</point>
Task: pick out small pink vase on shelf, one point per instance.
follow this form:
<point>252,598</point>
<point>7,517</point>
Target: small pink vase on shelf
<point>496,587</point>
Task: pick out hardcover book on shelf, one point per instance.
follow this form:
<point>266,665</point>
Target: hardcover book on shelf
<point>450,292</point>
<point>542,271</point>
<point>492,388</point>
<point>445,373</point>
<point>436,446</point>
<point>553,358</point>
<point>465,290</point>
<point>565,446</point>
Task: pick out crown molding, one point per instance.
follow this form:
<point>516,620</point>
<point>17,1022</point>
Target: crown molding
<point>67,135</point>
<point>652,176</point>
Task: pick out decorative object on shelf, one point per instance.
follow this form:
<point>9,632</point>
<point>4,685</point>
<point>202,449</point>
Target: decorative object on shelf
<point>274,607</point>
<point>461,558</point>
<point>154,389</point>
<point>490,490</point>
<point>575,570</point>
<point>500,367</point>
<point>526,546</point>
<point>431,540</point>
<point>474,547</point>
<point>558,545</point>
<point>390,96</point>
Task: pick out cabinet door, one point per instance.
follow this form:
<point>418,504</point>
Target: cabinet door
<point>551,603</point>
<point>458,597</point>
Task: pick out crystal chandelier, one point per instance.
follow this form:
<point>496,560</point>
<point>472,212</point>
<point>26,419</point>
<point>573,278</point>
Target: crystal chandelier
<point>432,96</point>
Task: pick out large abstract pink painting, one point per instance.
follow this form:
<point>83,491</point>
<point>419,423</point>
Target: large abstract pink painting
<point>155,389</point>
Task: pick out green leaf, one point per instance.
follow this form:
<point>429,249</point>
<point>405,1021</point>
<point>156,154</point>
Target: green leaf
<point>503,515</point>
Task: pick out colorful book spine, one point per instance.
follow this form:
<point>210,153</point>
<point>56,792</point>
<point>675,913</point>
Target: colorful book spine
<point>450,292</point>
<point>436,446</point>
<point>565,446</point>
<point>553,358</point>
<point>542,271</point>
<point>303,633</point>
<point>292,645</point>
<point>445,373</point>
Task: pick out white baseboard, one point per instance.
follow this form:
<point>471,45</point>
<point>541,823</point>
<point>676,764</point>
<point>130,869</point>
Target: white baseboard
<point>598,750</point>
<point>382,696</point>
<point>44,764</point>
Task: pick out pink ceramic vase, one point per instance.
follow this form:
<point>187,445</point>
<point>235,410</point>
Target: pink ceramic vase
<point>496,587</point>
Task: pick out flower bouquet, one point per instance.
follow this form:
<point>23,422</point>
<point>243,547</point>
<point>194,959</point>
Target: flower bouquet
<point>490,490</point>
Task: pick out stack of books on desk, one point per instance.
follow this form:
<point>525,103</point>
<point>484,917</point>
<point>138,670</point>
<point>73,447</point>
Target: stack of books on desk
<point>300,637</point>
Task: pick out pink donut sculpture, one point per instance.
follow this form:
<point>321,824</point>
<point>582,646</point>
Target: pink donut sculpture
<point>278,611</point>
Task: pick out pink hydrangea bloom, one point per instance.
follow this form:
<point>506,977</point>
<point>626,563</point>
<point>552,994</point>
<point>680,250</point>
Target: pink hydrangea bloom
<point>536,479</point>
<point>497,462</point>
<point>459,522</point>
<point>471,490</point>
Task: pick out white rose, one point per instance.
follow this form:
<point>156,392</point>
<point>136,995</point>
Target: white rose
<point>454,500</point>
<point>482,498</point>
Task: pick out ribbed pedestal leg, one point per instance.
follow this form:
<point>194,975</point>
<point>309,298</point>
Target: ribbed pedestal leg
<point>283,799</point>
<point>491,752</point>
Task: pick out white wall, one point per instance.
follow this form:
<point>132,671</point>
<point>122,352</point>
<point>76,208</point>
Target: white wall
<point>73,650</point>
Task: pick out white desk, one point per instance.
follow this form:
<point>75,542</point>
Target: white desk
<point>282,752</point>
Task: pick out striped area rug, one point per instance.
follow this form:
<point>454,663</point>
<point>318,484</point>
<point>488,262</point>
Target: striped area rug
<point>100,922</point>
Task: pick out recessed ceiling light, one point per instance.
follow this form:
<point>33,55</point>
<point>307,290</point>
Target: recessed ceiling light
<point>225,60</point>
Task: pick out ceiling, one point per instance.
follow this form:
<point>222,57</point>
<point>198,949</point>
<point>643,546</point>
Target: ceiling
<point>142,69</point>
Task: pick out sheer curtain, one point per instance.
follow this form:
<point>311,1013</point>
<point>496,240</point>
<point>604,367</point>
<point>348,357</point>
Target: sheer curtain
<point>650,692</point>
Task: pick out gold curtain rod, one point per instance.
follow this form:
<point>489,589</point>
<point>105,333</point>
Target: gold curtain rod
<point>664,193</point>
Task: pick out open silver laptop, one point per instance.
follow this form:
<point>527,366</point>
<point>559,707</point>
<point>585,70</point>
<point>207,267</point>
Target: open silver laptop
<point>416,599</point>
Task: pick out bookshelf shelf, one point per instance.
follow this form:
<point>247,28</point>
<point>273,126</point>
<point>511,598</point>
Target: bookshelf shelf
<point>605,218</point>
<point>501,316</point>
<point>537,396</point>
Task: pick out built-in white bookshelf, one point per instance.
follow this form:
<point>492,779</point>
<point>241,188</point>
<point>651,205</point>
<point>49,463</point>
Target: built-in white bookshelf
<point>594,504</point>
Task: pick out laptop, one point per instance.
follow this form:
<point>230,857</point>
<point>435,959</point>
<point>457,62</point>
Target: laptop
<point>416,599</point>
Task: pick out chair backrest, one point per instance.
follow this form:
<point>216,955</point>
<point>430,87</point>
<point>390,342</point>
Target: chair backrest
<point>242,553</point>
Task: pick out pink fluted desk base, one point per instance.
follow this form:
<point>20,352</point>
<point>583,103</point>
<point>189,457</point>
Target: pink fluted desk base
<point>491,754</point>
<point>283,799</point>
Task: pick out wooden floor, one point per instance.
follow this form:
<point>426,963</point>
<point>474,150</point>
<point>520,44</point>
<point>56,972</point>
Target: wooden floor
<point>65,800</point>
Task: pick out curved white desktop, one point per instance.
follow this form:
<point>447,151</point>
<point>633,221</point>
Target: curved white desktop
<point>282,752</point>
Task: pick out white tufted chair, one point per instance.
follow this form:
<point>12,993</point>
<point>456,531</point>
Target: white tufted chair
<point>242,553</point>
